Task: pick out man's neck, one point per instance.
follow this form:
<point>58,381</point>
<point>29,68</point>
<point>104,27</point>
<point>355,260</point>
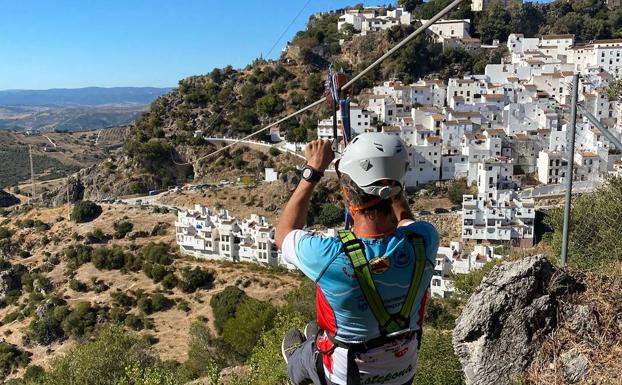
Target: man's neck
<point>370,228</point>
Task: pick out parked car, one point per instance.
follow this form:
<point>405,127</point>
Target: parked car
<point>423,212</point>
<point>456,208</point>
<point>440,210</point>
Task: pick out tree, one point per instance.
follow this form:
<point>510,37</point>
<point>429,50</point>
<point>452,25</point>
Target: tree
<point>224,305</point>
<point>269,105</point>
<point>330,215</point>
<point>85,211</point>
<point>410,5</point>
<point>102,361</point>
<point>193,279</point>
<point>122,229</point>
<point>456,189</point>
<point>11,358</point>
<point>242,332</point>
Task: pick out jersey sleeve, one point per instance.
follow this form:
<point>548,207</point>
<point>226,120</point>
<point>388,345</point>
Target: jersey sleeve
<point>430,237</point>
<point>310,253</point>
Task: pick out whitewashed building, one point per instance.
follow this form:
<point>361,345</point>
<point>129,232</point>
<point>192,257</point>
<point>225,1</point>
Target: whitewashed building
<point>497,214</point>
<point>207,234</point>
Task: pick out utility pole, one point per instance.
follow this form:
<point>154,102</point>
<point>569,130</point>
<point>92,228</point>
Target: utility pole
<point>570,169</point>
<point>32,174</point>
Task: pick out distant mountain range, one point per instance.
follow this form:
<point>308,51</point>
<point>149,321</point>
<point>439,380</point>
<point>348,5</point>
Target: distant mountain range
<point>82,97</point>
<point>76,109</point>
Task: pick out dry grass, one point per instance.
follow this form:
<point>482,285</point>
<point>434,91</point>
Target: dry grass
<point>601,344</point>
<point>170,327</point>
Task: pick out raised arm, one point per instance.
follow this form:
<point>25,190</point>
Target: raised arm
<point>319,155</point>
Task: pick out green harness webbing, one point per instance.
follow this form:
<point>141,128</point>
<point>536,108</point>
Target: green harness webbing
<point>388,323</point>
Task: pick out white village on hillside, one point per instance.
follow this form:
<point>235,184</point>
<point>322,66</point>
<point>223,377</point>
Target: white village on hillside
<point>494,129</point>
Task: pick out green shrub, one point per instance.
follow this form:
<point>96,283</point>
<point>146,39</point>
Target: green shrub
<point>456,189</point>
<point>169,281</point>
<point>10,317</point>
<point>78,254</point>
<point>110,259</point>
<point>96,236</point>
<point>122,299</point>
<point>193,279</point>
<point>85,211</point>
<point>157,253</point>
<point>224,305</point>
<point>330,215</point>
<point>34,374</point>
<point>266,363</point>
<point>137,374</point>
<point>46,329</point>
<point>122,229</point>
<point>11,358</point>
<point>159,229</point>
<point>81,320</point>
<point>155,272</point>
<point>102,361</point>
<point>251,318</point>
<point>5,233</point>
<point>77,285</point>
<point>200,362</point>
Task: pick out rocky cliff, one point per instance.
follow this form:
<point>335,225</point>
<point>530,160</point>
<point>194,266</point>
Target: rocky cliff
<point>530,321</point>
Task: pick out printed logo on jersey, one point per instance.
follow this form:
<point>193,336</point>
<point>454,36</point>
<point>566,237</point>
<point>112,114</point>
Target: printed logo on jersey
<point>401,353</point>
<point>402,259</point>
<point>379,265</point>
<point>348,270</point>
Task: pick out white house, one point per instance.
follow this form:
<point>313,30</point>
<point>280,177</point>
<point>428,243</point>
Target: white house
<point>496,214</point>
<point>205,234</point>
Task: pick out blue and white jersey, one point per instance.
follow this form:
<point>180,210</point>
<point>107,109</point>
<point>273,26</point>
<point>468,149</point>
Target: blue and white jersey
<point>341,306</point>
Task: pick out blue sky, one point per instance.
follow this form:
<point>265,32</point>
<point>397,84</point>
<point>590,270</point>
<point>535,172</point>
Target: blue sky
<point>78,43</point>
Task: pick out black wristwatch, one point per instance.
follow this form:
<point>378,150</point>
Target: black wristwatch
<point>310,174</point>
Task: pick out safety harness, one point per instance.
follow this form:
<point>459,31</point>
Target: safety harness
<point>391,326</point>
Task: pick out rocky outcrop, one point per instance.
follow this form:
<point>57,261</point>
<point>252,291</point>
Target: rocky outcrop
<point>8,282</point>
<point>7,200</point>
<point>504,321</point>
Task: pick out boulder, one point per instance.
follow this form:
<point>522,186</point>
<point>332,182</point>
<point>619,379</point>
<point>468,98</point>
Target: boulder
<point>574,365</point>
<point>7,200</point>
<point>501,327</point>
<point>8,282</point>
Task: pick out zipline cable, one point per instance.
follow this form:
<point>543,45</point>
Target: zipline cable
<point>399,45</point>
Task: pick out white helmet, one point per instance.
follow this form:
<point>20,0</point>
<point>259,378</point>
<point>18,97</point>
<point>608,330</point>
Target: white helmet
<point>372,157</point>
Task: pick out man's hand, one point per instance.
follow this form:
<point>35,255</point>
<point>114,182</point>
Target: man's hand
<point>319,154</point>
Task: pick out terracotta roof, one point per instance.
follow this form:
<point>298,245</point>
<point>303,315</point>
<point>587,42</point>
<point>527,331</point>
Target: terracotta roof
<point>550,37</point>
<point>495,131</point>
<point>391,129</point>
<point>433,138</point>
<point>586,154</point>
<point>607,41</point>
<point>494,96</point>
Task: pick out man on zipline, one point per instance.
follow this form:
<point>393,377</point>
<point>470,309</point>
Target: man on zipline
<point>371,282</point>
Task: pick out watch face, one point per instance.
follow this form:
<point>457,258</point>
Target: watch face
<point>306,173</point>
